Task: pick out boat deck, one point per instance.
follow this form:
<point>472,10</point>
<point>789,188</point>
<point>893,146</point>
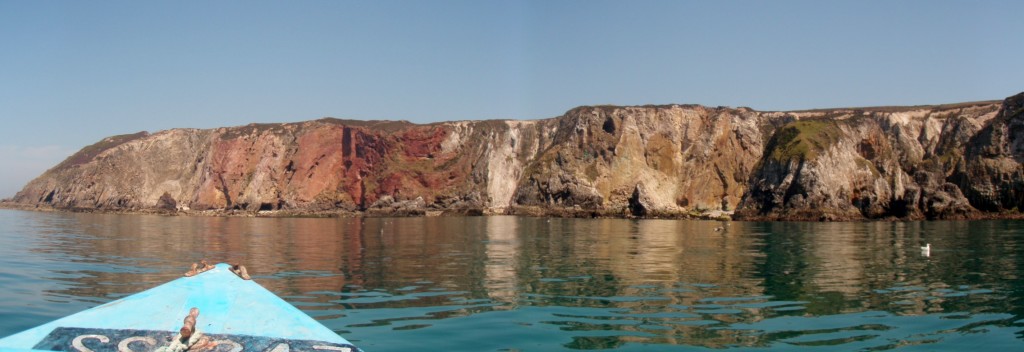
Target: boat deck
<point>235,314</point>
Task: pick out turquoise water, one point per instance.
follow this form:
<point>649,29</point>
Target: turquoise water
<point>535,284</point>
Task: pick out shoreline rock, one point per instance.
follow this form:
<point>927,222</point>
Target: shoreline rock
<point>517,211</point>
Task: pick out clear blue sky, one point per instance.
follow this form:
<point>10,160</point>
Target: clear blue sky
<point>73,72</point>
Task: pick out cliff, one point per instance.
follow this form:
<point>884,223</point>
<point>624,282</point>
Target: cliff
<point>936,162</point>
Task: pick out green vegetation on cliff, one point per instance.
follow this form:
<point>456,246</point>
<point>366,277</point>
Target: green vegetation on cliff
<point>803,139</point>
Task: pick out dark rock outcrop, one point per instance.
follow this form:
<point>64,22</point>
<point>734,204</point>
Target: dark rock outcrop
<point>991,173</point>
<point>640,203</point>
<point>166,202</point>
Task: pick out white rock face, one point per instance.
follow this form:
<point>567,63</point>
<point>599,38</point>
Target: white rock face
<point>505,164</point>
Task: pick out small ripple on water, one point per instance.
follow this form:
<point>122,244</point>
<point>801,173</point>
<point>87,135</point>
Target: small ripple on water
<point>644,287</point>
<point>599,298</point>
<point>704,285</point>
<point>734,299</point>
<point>771,304</point>
<point>411,327</point>
<point>719,311</point>
<point>385,298</point>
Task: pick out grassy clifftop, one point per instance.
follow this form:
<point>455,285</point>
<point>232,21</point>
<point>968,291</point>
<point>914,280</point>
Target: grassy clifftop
<point>88,153</point>
<point>803,140</point>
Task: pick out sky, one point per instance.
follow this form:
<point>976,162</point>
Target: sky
<point>74,72</point>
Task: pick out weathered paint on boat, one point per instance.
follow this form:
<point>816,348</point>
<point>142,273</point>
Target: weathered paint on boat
<point>233,312</point>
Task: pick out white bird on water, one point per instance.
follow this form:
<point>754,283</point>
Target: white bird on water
<point>926,250</point>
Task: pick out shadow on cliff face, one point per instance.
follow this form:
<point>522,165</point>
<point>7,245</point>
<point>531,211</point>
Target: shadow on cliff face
<point>992,176</point>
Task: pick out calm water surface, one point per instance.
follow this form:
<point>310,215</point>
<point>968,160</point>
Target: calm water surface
<point>533,284</point>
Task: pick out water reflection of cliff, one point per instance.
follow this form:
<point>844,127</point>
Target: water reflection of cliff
<point>112,255</point>
<point>649,252</point>
<point>501,265</point>
<point>117,254</point>
<point>844,267</point>
<point>514,262</point>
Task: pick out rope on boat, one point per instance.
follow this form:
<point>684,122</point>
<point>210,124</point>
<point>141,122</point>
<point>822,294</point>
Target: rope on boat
<point>198,268</point>
<point>239,270</point>
<point>188,338</point>
<point>189,326</point>
<point>202,266</point>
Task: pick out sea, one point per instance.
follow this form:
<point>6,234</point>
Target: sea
<point>505,283</point>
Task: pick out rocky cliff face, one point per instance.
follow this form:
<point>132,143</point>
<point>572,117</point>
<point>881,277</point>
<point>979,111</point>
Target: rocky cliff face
<point>645,161</point>
<point>991,173</point>
<point>867,163</point>
<point>950,161</point>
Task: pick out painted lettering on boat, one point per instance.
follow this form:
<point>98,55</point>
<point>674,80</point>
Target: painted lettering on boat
<point>127,340</point>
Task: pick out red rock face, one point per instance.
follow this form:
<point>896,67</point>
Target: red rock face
<point>316,166</point>
<point>421,141</point>
<point>417,167</point>
<point>316,169</point>
<point>309,167</point>
<point>367,153</point>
